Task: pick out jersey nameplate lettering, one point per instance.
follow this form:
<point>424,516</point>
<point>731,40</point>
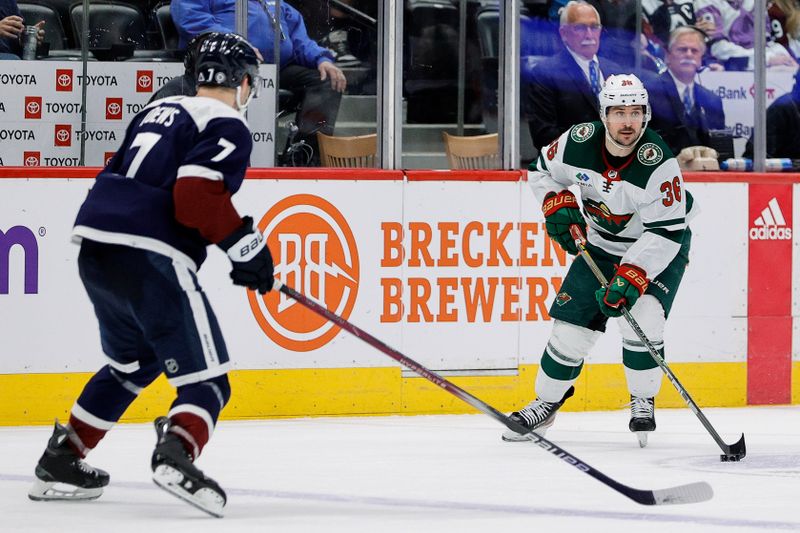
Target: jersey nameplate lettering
<point>162,115</point>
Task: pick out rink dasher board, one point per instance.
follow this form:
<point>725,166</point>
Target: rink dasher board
<point>707,334</point>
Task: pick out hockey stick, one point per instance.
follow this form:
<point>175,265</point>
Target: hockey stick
<point>690,493</point>
<point>733,452</point>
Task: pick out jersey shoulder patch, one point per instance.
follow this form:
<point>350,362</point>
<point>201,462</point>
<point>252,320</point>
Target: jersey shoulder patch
<point>582,132</point>
<point>650,154</point>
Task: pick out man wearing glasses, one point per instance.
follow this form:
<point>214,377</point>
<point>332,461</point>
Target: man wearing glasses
<point>565,87</point>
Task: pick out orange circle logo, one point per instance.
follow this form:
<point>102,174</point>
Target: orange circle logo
<point>315,253</point>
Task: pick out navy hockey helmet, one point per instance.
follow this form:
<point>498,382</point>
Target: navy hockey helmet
<point>190,56</point>
<point>224,59</point>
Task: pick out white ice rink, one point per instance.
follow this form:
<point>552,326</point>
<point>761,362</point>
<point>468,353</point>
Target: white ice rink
<point>432,473</point>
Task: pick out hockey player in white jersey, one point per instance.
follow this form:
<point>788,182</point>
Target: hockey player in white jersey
<point>636,210</point>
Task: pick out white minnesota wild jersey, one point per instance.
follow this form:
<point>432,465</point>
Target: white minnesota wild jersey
<point>637,211</point>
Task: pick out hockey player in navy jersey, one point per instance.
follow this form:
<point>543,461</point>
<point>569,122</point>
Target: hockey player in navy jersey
<point>144,229</point>
<point>637,213</point>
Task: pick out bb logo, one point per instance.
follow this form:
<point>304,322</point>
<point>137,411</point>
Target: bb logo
<point>31,159</point>
<point>33,107</point>
<point>144,81</point>
<point>63,79</point>
<point>314,252</point>
<point>63,135</point>
<point>107,158</point>
<point>113,108</point>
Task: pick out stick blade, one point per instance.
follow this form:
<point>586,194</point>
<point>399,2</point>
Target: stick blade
<point>735,452</point>
<point>691,493</point>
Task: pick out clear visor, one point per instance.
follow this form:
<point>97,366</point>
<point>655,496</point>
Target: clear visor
<point>625,115</point>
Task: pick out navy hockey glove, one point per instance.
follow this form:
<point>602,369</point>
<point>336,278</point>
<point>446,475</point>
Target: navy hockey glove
<point>250,257</point>
<point>561,210</point>
<point>628,283</point>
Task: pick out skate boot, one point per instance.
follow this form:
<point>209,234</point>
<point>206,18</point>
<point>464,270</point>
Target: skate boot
<point>174,472</point>
<point>537,416</point>
<point>643,418</point>
<point>61,474</point>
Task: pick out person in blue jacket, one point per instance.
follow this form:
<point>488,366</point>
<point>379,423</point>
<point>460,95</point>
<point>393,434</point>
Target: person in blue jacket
<point>306,69</point>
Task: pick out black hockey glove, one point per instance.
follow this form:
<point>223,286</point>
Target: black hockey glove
<point>250,257</point>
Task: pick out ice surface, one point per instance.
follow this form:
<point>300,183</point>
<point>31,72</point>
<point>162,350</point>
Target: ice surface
<point>432,473</point>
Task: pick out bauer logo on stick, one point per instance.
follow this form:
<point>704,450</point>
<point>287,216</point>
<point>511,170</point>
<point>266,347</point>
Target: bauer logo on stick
<point>315,252</point>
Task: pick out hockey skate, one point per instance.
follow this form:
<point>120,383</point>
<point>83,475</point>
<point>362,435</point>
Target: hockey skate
<point>174,472</point>
<point>62,475</point>
<point>643,418</point>
<point>537,416</point>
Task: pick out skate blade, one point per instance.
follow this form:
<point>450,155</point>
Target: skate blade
<point>513,436</point>
<point>43,491</point>
<point>205,499</point>
<point>642,436</point>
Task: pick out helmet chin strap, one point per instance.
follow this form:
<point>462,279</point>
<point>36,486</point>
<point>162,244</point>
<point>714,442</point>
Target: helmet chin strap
<point>242,106</point>
<point>621,146</point>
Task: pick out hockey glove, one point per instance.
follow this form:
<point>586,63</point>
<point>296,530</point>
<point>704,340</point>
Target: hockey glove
<point>560,211</point>
<point>628,283</point>
<point>250,257</point>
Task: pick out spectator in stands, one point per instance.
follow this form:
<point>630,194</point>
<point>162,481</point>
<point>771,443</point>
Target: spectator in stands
<point>731,41</point>
<point>664,16</point>
<point>187,83</point>
<point>783,125</point>
<point>306,69</point>
<point>784,24</point>
<point>11,28</point>
<point>565,87</point>
<point>684,111</point>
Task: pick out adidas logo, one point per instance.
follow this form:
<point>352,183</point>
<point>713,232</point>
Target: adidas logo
<point>771,225</point>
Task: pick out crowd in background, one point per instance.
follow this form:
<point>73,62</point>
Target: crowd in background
<point>568,48</point>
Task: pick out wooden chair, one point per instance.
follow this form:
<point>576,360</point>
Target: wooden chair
<point>474,152</point>
<point>359,151</point>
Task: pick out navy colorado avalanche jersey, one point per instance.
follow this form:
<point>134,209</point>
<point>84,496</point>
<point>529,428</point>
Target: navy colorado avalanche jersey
<point>131,202</point>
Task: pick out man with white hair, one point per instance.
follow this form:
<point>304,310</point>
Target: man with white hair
<point>636,210</point>
<point>684,111</point>
<point>565,87</point>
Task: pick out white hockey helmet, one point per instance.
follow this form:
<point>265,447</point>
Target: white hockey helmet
<point>623,89</point>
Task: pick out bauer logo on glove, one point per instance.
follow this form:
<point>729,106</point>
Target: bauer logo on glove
<point>561,210</point>
<point>627,285</point>
<point>254,245</point>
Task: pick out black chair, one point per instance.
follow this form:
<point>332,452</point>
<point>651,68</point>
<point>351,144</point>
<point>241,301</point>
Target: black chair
<point>431,85</point>
<point>166,27</point>
<point>117,31</point>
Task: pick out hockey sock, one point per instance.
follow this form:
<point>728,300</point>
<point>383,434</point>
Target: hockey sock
<point>642,372</point>
<point>103,401</point>
<point>195,411</point>
<point>555,377</point>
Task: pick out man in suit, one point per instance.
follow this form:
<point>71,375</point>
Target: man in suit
<point>565,87</point>
<point>684,111</point>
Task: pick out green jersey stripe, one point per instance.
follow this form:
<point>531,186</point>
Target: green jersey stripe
<point>663,223</point>
<point>674,236</point>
